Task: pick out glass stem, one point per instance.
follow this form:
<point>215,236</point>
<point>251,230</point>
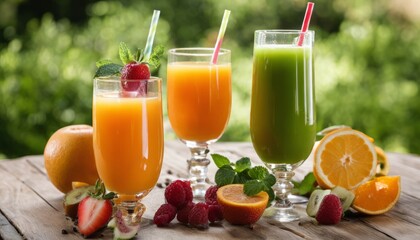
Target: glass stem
<point>197,168</point>
<point>283,187</point>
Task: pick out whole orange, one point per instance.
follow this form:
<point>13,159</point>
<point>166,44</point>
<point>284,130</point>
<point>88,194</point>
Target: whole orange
<point>68,157</point>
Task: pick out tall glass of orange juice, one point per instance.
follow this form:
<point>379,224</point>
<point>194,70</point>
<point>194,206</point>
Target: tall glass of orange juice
<point>128,138</point>
<point>199,104</point>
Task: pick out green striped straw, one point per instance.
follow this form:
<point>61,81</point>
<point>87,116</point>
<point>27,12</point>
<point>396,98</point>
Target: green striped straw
<point>151,36</point>
<point>219,40</point>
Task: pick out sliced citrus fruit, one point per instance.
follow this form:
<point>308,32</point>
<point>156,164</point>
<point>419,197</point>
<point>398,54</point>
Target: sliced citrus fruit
<point>377,196</point>
<point>382,168</point>
<point>76,184</point>
<point>345,158</point>
<point>331,129</point>
<point>238,208</point>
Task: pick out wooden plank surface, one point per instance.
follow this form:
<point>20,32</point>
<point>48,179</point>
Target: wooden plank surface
<point>31,208</point>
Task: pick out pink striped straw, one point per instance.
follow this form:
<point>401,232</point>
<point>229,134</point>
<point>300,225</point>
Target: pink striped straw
<point>220,36</point>
<point>306,21</point>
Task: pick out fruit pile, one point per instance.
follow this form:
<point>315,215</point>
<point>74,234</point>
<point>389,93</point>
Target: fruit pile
<point>179,196</point>
<point>241,195</point>
<point>352,171</point>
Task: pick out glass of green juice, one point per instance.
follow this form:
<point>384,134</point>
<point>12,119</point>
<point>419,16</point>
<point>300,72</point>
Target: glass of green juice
<point>283,124</point>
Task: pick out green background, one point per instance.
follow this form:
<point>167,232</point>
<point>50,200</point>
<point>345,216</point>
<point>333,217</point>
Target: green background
<point>367,60</point>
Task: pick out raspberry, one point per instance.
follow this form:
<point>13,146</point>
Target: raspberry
<point>164,215</point>
<point>182,214</point>
<point>198,216</point>
<point>188,191</point>
<point>330,210</point>
<point>215,213</point>
<point>211,196</point>
<point>176,195</point>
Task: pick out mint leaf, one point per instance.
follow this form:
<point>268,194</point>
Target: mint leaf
<point>308,184</point>
<point>258,172</point>
<point>156,55</point>
<point>224,176</point>
<point>242,177</point>
<point>220,160</point>
<point>242,164</point>
<point>271,195</point>
<point>125,54</point>
<point>102,62</point>
<point>108,70</point>
<point>139,55</point>
<point>269,180</point>
<point>253,187</point>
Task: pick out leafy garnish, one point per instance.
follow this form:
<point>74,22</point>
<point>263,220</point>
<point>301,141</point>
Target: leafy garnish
<point>100,191</point>
<point>255,179</point>
<point>107,68</point>
<point>125,54</point>
<point>156,55</point>
<point>306,186</point>
<point>220,160</point>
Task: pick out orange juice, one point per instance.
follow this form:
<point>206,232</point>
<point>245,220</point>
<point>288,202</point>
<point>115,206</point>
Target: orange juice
<point>199,99</point>
<point>128,142</point>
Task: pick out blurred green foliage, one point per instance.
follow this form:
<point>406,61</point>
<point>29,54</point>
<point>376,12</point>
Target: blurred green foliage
<point>367,60</point>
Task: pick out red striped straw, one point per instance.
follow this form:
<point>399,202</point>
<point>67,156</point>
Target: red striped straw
<point>220,36</point>
<point>306,21</point>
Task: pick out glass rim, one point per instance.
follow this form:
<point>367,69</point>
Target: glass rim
<point>284,31</point>
<point>195,51</point>
<point>118,79</point>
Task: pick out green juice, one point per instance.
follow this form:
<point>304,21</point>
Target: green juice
<point>283,125</point>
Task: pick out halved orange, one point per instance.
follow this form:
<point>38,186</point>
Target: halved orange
<point>377,196</point>
<point>345,158</point>
<point>238,208</point>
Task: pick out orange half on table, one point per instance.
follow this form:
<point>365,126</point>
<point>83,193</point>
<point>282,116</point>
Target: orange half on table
<point>238,208</point>
<point>346,158</point>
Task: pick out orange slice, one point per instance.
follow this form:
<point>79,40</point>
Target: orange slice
<point>383,167</point>
<point>378,195</point>
<point>76,184</point>
<point>238,208</point>
<point>345,158</point>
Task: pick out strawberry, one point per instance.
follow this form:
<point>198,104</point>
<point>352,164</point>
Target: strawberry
<point>95,210</point>
<point>135,70</point>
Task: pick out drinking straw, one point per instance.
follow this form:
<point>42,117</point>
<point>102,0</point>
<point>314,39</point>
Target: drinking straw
<point>219,40</point>
<point>305,24</point>
<point>151,36</point>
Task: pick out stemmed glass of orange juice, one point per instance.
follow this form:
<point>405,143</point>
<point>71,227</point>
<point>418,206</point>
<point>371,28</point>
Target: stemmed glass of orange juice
<point>199,103</point>
<point>128,139</point>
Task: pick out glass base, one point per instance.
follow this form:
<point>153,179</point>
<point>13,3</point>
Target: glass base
<point>131,211</point>
<point>283,210</point>
<point>131,207</point>
<point>296,199</point>
<point>281,214</point>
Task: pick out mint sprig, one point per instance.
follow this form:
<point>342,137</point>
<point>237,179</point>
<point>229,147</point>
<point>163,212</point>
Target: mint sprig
<point>306,186</point>
<point>125,54</point>
<point>107,68</point>
<point>255,179</point>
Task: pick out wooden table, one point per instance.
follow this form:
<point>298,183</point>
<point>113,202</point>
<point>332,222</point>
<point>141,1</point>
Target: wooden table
<point>31,208</point>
